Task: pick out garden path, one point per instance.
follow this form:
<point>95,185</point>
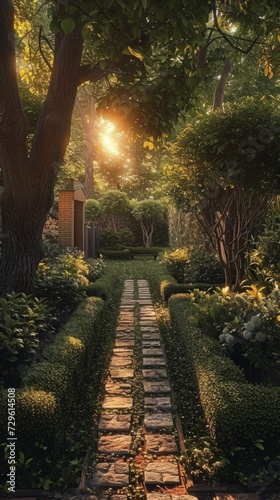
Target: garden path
<point>138,445</point>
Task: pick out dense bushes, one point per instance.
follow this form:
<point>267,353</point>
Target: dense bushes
<point>51,387</point>
<point>243,419</point>
<point>193,265</point>
<point>23,325</point>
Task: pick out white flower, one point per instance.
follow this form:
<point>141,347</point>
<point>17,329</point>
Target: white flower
<point>250,326</point>
<point>225,330</point>
<point>256,321</point>
<point>222,337</point>
<point>260,336</point>
<point>247,334</point>
<point>229,338</point>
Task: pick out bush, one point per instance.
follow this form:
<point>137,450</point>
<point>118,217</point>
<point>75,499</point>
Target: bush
<point>243,419</point>
<point>193,265</point>
<point>125,237</point>
<point>96,268</point>
<point>108,238</point>
<point>104,287</point>
<point>176,263</point>
<point>116,254</point>
<point>61,281</point>
<point>45,403</point>
<point>23,319</point>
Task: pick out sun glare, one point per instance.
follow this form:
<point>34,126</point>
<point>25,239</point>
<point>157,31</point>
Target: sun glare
<point>108,141</point>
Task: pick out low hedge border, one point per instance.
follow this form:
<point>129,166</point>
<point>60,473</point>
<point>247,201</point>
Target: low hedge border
<point>125,253</point>
<point>43,404</point>
<point>239,414</point>
<point>168,286</point>
<point>104,287</point>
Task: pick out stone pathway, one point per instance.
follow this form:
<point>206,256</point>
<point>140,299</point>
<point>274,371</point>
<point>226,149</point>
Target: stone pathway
<point>137,446</point>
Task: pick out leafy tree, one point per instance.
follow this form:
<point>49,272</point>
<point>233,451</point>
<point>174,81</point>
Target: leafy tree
<point>92,210</point>
<point>228,172</point>
<point>114,205</point>
<point>148,213</point>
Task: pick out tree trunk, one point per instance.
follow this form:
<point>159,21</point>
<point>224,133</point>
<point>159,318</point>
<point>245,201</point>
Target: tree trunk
<point>28,182</point>
<point>220,90</point>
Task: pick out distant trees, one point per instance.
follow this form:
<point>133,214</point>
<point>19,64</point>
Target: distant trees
<point>148,213</point>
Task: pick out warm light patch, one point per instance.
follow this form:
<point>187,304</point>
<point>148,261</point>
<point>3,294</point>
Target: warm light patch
<point>107,138</point>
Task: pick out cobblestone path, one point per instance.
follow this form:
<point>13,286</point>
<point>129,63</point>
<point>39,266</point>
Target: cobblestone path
<point>138,448</point>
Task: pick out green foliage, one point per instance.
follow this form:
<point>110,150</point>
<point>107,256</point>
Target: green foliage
<point>104,287</point>
<point>176,263</point>
<point>125,237</point>
<point>246,323</point>
<point>108,238</point>
<point>238,414</point>
<point>51,388</point>
<point>148,210</point>
<point>114,203</point>
<point>116,254</point>
<point>22,319</point>
<point>92,210</point>
<point>61,280</point>
<point>96,268</point>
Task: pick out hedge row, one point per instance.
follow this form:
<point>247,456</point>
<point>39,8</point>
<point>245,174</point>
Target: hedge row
<point>50,387</point>
<point>125,253</point>
<point>238,414</point>
<point>104,287</point>
<point>169,286</point>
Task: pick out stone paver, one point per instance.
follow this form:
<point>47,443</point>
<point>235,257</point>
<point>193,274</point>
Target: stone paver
<point>161,444</point>
<point>124,343</point>
<point>163,496</point>
<point>157,404</point>
<point>154,373</point>
<point>117,444</point>
<point>121,373</point>
<point>121,361</point>
<point>154,362</point>
<point>151,343</point>
<point>114,388</point>
<point>158,421</point>
<point>161,387</point>
<point>152,352</point>
<point>111,475</point>
<point>161,473</point>
<point>111,422</point>
<point>117,402</point>
<point>123,351</point>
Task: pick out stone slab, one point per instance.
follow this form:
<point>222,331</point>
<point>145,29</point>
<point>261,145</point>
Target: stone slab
<point>117,444</point>
<point>114,388</point>
<point>119,344</point>
<point>112,422</point>
<point>150,334</point>
<point>161,444</point>
<point>237,496</point>
<point>117,402</point>
<point>161,387</point>
<point>161,473</point>
<point>152,352</point>
<point>122,351</point>
<point>151,343</point>
<point>158,421</point>
<point>111,475</point>
<point>154,373</point>
<point>154,362</point>
<point>121,373</point>
<point>121,361</point>
<point>157,404</point>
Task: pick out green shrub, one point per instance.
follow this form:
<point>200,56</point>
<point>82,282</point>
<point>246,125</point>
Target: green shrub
<point>61,281</point>
<point>243,419</point>
<point>50,387</point>
<point>22,320</point>
<point>108,238</point>
<point>96,268</point>
<point>176,263</point>
<point>145,250</point>
<point>104,287</point>
<point>116,254</point>
<point>125,237</point>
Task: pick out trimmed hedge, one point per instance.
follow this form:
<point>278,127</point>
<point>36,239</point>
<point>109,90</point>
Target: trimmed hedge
<point>115,254</point>
<point>238,414</point>
<point>43,404</point>
<point>104,287</point>
<point>168,286</point>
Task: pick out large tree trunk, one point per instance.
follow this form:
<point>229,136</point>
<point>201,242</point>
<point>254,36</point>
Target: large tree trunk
<point>29,181</point>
